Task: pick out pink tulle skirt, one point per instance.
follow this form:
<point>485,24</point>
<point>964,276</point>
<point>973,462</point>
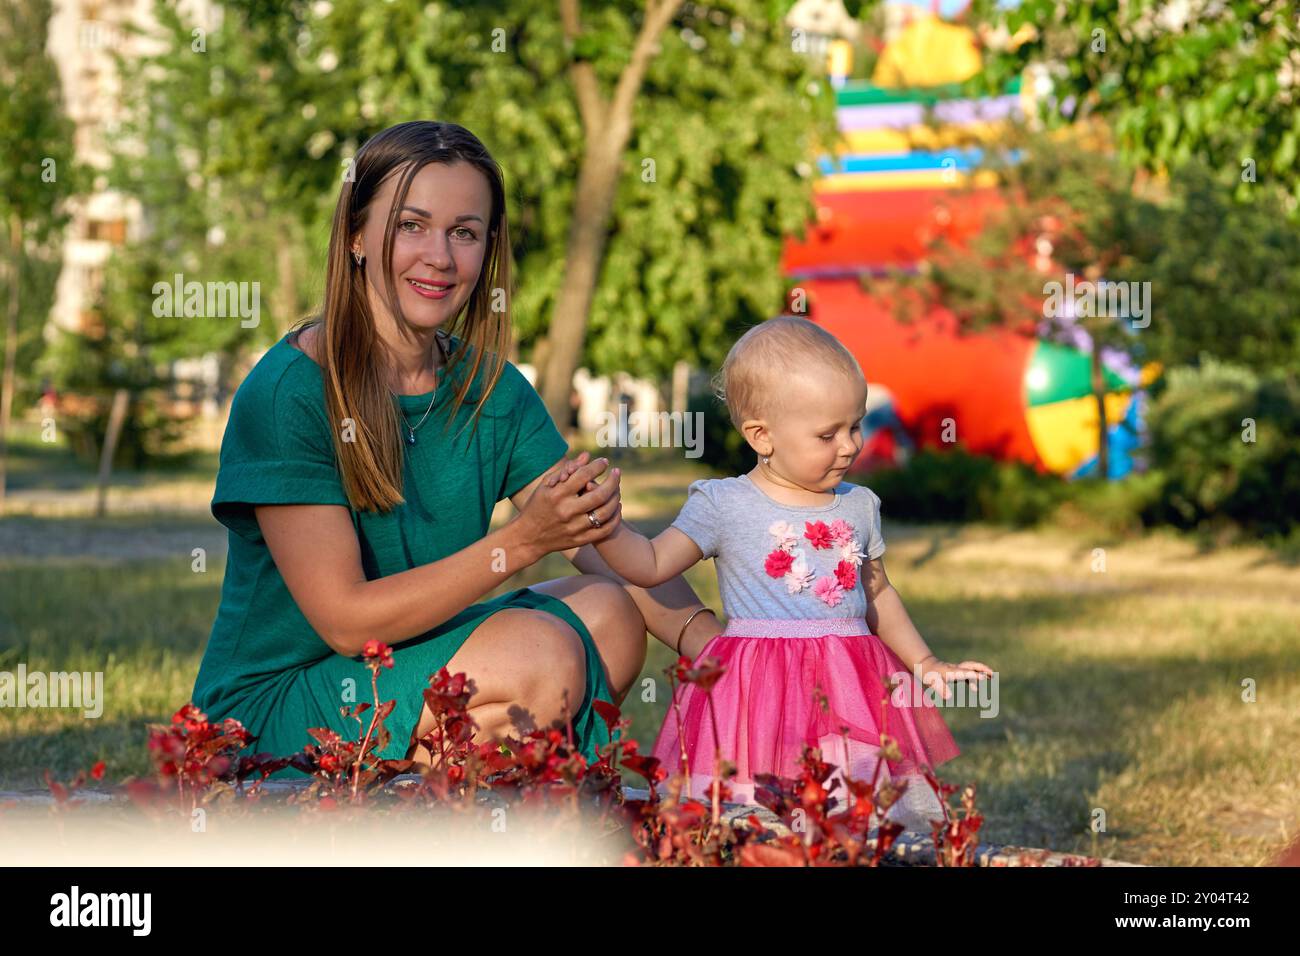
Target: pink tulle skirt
<point>766,708</point>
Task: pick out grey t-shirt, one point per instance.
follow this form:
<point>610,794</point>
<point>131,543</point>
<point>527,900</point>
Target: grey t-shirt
<point>784,561</point>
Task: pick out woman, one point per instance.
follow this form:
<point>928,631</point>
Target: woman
<point>359,470</point>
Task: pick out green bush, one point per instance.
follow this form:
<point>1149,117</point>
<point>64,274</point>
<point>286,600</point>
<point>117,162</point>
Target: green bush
<point>1120,506</point>
<point>1200,426</point>
<point>958,486</point>
<point>724,448</point>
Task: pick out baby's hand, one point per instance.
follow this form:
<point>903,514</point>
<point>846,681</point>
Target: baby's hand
<point>936,674</point>
<point>566,470</point>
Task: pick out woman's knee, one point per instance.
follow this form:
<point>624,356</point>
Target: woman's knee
<point>538,664</point>
<point>554,663</point>
<point>619,630</point>
<point>613,605</point>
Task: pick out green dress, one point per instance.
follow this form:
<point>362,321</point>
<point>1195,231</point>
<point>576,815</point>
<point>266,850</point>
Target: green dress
<point>264,664</point>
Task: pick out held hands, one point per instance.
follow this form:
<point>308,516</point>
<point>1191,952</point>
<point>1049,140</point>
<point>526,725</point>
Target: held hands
<point>936,674</point>
<point>566,470</point>
<point>556,516</point>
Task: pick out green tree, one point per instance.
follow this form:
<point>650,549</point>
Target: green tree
<point>715,167</point>
<point>1225,277</point>
<point>180,150</point>
<point>36,178</point>
<point>1213,79</point>
<point>183,150</point>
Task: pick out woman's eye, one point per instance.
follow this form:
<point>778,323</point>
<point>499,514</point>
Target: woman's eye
<point>407,222</point>
<point>467,233</point>
<point>827,437</point>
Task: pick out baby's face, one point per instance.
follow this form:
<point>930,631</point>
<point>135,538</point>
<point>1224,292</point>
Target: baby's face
<point>817,435</point>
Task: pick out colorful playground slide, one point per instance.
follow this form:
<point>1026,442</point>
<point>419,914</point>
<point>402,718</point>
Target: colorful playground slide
<point>905,173</point>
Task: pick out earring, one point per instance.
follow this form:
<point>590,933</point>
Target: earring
<point>358,258</point>
<point>765,459</point>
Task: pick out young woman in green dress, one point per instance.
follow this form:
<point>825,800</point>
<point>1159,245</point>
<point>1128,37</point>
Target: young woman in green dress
<point>359,470</point>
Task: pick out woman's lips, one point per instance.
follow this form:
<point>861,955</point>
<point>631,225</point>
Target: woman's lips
<point>437,293</point>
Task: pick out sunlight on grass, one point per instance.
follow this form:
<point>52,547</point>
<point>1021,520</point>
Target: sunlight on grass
<point>1120,691</point>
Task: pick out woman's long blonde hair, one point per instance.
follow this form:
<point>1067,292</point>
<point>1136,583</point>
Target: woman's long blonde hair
<point>356,386</point>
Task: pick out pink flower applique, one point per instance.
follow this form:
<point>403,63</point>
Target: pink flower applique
<point>786,534</point>
<point>778,563</point>
<point>829,590</point>
<point>847,575</point>
<point>799,576</point>
<point>841,531</point>
<point>851,551</point>
<point>817,534</point>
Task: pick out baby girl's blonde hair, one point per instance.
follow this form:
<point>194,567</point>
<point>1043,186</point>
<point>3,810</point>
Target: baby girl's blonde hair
<point>767,355</point>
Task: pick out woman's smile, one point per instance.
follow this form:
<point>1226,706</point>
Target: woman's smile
<point>430,288</point>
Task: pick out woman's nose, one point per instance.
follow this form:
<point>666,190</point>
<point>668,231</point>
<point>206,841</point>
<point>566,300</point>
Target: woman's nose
<point>437,252</point>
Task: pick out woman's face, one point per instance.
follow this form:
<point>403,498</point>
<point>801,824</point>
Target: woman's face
<point>439,245</point>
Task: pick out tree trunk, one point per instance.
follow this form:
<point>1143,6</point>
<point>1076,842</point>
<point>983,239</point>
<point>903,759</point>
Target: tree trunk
<point>586,247</point>
<point>607,127</point>
<point>1099,393</point>
<point>11,349</point>
<point>116,416</point>
<point>286,282</point>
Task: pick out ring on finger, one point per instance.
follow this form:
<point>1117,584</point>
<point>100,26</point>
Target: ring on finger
<point>591,516</point>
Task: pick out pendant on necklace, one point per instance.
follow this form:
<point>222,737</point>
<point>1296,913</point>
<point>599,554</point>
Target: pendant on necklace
<point>410,437</point>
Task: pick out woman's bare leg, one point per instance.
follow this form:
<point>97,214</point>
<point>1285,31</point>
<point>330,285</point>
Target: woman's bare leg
<point>612,619</point>
<point>528,666</point>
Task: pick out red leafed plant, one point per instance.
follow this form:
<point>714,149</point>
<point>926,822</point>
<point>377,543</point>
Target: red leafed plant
<point>196,761</point>
<point>63,792</point>
<point>344,769</point>
<point>196,757</point>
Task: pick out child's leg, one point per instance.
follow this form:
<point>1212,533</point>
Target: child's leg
<point>918,805</point>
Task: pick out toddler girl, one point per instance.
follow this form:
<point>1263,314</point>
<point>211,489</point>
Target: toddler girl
<point>809,609</point>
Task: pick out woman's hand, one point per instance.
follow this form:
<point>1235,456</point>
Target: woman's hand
<point>936,674</point>
<point>555,517</point>
<point>565,470</point>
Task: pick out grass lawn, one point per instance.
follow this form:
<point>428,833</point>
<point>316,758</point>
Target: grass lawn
<point>1121,691</point>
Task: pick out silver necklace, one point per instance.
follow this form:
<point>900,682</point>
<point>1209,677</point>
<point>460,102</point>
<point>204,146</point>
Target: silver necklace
<point>410,432</point>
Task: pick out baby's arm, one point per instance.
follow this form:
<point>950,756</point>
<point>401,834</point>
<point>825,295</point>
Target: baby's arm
<point>888,619</point>
<point>647,563</point>
<point>632,555</point>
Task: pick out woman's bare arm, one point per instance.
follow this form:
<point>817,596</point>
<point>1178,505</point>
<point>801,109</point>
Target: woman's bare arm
<point>316,550</point>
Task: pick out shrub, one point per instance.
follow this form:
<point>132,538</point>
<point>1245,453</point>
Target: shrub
<point>1224,438</point>
<point>958,486</point>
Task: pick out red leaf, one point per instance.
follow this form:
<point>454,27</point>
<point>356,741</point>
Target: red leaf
<point>608,713</point>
